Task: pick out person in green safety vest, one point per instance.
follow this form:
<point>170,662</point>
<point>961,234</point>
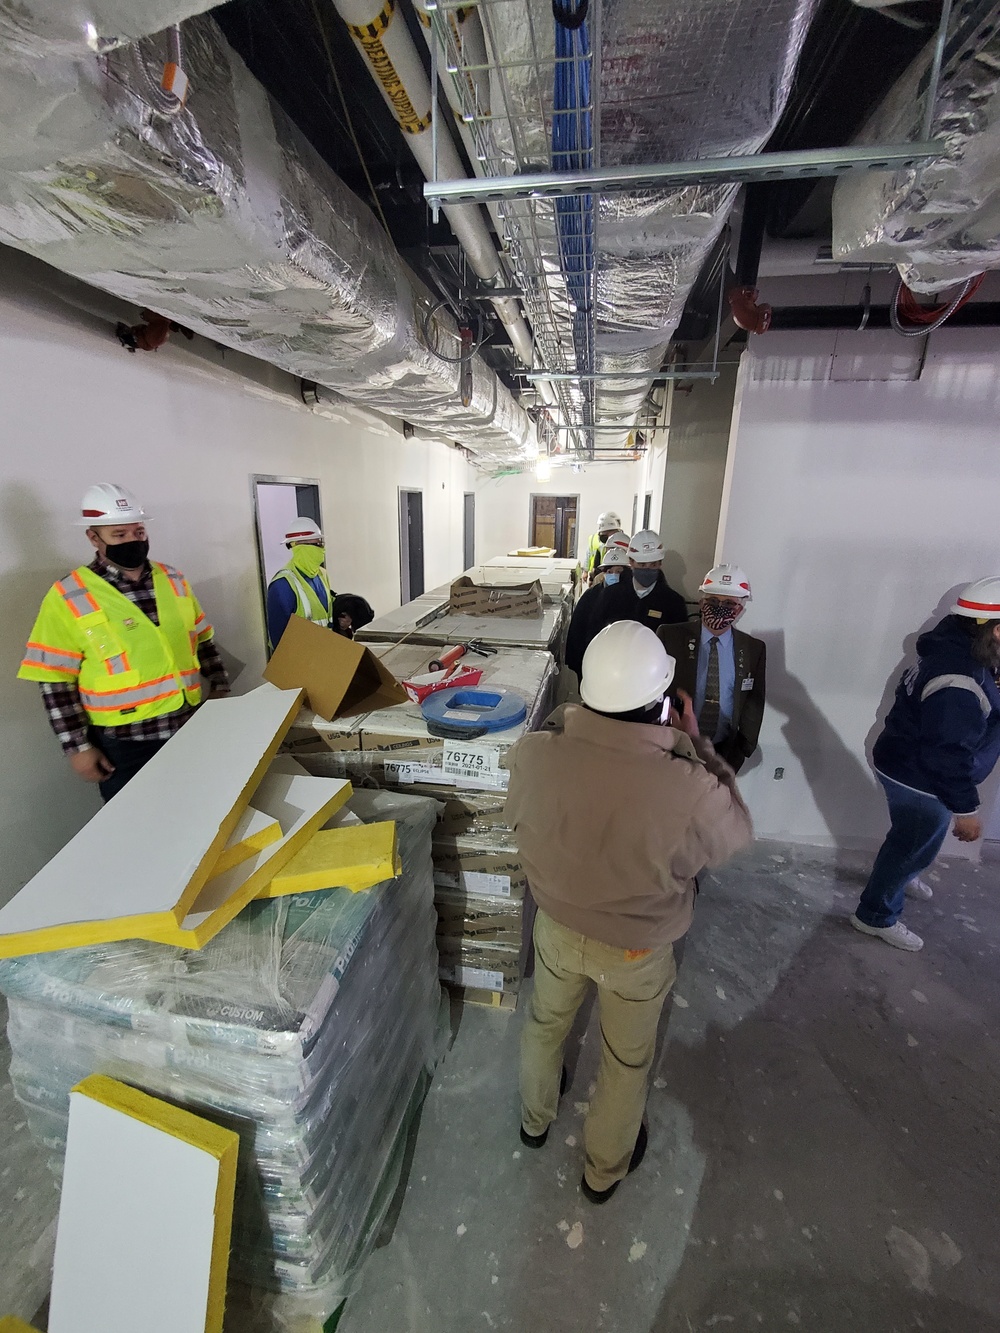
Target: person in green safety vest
<point>607,523</point>
<point>302,587</point>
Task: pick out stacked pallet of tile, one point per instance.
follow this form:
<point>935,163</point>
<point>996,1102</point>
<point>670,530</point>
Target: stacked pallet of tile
<point>479,880</point>
<point>308,1024</point>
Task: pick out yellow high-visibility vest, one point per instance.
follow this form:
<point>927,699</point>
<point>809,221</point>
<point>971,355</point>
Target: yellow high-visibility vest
<point>307,604</point>
<point>595,547</point>
<point>126,668</point>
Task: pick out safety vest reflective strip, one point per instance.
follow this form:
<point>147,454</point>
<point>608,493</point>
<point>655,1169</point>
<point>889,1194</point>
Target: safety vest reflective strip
<point>309,605</point>
<point>110,701</point>
<point>76,595</point>
<point>55,659</point>
<point>177,580</point>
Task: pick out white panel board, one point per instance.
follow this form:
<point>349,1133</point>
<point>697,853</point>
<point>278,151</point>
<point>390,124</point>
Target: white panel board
<point>137,1226</point>
<point>166,828</point>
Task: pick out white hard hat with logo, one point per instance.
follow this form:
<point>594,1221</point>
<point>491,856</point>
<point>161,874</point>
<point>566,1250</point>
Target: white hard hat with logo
<point>727,581</point>
<point>979,600</point>
<point>303,530</point>
<point>645,548</point>
<point>625,667</point>
<point>615,556</point>
<point>106,503</point>
<point>617,541</point>
<point>609,519</point>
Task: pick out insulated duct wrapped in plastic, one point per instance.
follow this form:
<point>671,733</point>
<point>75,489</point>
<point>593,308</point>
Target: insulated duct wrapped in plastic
<point>226,219</point>
<point>677,82</point>
<point>940,223</point>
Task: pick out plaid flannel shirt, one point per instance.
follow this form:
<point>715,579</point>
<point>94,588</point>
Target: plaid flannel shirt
<point>67,715</point>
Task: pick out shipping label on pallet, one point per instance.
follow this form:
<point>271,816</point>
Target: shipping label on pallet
<point>473,762</point>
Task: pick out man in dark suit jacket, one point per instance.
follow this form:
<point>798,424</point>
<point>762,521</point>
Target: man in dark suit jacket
<point>721,667</point>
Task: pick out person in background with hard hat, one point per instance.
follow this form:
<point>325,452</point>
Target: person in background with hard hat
<point>120,647</point>
<point>615,815</point>
<point>607,523</point>
<point>301,587</point>
<point>614,567</point>
<point>618,543</point>
<point>646,597</point>
<point>721,667</point>
<point>941,739</point>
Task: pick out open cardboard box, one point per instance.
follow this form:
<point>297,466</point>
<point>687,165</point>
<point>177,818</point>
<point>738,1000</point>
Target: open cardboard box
<point>340,677</point>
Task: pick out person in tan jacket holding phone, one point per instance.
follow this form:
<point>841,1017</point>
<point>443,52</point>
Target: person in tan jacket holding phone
<point>614,879</point>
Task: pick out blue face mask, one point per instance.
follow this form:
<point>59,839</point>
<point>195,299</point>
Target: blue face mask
<point>611,579</point>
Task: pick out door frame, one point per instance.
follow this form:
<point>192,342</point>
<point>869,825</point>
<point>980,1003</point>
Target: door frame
<point>549,495</point>
<point>272,479</point>
<point>405,591</point>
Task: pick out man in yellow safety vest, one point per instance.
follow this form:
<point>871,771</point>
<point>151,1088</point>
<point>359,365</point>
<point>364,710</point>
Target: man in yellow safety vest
<point>302,587</point>
<point>120,647</point>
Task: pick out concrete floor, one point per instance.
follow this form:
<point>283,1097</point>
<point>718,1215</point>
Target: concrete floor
<point>823,1141</point>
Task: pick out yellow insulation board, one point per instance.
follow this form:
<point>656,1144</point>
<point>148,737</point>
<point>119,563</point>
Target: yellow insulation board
<point>252,834</point>
<point>354,857</point>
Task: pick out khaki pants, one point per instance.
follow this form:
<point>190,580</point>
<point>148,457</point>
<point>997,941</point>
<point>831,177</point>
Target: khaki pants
<point>631,989</point>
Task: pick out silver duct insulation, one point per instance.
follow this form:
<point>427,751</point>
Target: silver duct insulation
<point>939,223</point>
<point>677,81</point>
<point>224,218</point>
<point>78,27</point>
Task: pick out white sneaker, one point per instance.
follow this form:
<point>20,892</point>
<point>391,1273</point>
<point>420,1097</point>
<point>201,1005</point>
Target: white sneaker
<point>897,934</point>
<point>919,888</point>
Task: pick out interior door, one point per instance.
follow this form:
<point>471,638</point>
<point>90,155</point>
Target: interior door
<point>554,523</point>
<point>411,545</point>
<point>469,530</point>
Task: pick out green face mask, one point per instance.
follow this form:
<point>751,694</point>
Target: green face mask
<point>308,560</point>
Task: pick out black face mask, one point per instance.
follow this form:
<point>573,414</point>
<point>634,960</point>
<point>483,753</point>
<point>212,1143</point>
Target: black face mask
<point>127,555</point>
<point>645,577</point>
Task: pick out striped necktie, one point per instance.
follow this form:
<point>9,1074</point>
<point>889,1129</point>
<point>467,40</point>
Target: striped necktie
<point>708,722</point>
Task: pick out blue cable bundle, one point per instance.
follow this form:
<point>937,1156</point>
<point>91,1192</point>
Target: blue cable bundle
<point>573,150</point>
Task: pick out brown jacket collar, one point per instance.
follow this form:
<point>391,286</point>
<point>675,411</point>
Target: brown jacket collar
<point>577,721</point>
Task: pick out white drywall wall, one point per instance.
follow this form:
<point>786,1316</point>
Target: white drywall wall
<point>503,504</point>
<point>856,508</point>
<point>184,428</point>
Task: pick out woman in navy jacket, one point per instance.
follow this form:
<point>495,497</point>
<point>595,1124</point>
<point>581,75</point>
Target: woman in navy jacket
<point>941,740</point>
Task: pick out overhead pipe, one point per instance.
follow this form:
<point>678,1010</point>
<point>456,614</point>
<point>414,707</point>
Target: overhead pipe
<point>747,313</point>
<point>384,40</point>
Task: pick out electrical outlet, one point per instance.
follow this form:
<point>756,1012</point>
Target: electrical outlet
<point>779,773</point>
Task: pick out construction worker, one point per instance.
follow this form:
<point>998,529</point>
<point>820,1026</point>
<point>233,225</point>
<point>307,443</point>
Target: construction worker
<point>120,647</point>
<point>720,666</point>
<point>582,626</point>
<point>640,809</point>
<point>301,587</point>
<point>607,523</point>
<point>941,739</point>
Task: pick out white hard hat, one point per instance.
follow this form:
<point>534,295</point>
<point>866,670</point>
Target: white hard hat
<point>625,667</point>
<point>645,547</point>
<point>979,600</point>
<point>727,581</point>
<point>303,530</point>
<point>614,555</point>
<point>617,541</point>
<point>609,519</point>
<point>106,503</point>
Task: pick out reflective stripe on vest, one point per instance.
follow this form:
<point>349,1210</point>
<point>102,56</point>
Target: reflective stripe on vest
<point>111,701</point>
<point>55,659</point>
<point>76,596</point>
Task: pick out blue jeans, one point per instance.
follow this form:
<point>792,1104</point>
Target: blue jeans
<point>919,823</point>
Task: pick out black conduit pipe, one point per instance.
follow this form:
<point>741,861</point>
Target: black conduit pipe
<point>975,315</point>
